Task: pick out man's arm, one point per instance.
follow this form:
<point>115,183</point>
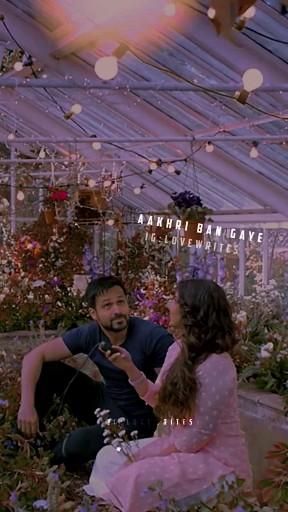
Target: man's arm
<point>54,350</point>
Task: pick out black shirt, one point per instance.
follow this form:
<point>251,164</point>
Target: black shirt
<point>147,344</point>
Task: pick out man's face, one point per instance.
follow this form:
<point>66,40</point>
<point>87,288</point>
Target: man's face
<point>112,310</point>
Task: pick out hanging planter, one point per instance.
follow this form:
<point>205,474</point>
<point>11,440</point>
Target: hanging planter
<point>188,207</point>
<point>91,205</point>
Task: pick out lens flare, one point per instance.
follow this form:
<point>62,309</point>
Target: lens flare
<point>132,20</point>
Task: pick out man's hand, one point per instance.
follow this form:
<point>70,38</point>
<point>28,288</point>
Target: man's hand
<point>120,358</point>
<point>27,420</point>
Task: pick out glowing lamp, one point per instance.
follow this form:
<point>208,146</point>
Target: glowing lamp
<point>106,68</point>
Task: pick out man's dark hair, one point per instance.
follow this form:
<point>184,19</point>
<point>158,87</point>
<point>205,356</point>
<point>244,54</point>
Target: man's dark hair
<point>99,286</point>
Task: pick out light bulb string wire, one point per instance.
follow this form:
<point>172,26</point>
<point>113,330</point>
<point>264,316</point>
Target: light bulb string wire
<point>206,90</point>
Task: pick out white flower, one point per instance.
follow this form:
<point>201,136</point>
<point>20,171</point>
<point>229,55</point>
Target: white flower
<point>269,347</point>
<point>97,411</point>
<point>264,354</point>
<point>121,420</point>
<point>106,440</point>
<point>134,433</point>
<point>122,433</point>
<point>106,433</point>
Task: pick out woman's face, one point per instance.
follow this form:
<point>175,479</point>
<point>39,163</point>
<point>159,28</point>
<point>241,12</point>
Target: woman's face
<point>174,312</point>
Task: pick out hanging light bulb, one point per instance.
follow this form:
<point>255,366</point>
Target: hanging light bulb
<point>18,66</point>
<point>76,109</point>
<point>170,9</point>
<point>11,136</point>
<point>96,145</point>
<point>254,153</point>
<point>42,153</point>
<point>252,80</point>
<point>250,13</point>
<point>171,169</point>
<point>153,166</point>
<point>138,190</point>
<point>91,183</point>
<point>106,68</point>
<point>110,222</point>
<point>20,195</point>
<point>211,13</point>
<point>209,148</point>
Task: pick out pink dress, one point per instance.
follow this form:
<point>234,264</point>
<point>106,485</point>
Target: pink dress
<point>187,459</point>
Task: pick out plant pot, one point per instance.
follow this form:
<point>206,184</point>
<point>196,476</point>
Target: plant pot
<point>91,205</point>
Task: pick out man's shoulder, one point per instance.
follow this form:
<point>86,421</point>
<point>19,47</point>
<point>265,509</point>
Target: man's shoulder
<point>83,330</point>
<point>146,325</point>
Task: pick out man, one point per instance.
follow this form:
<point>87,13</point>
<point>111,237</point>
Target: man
<point>44,375</point>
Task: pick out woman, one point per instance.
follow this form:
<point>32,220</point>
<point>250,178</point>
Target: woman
<point>198,381</point>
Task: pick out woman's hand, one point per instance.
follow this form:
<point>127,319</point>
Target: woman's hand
<point>120,358</point>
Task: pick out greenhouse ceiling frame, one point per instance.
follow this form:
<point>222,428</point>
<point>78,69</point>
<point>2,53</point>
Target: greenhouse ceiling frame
<point>226,166</point>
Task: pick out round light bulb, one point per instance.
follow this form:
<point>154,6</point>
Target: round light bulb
<point>18,66</point>
<point>110,222</point>
<point>137,191</point>
<point>96,146</point>
<point>106,68</point>
<point>170,9</point>
<point>252,79</point>
<point>11,136</point>
<point>211,13</point>
<point>153,166</point>
<point>171,169</point>
<point>209,147</point>
<point>250,13</point>
<point>42,153</point>
<point>254,153</point>
<point>91,183</point>
<point>76,109</point>
<point>20,195</point>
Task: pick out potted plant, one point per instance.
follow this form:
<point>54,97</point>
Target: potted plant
<point>188,206</point>
<point>56,196</point>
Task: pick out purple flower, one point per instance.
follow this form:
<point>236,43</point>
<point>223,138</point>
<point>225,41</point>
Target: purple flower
<point>13,498</point>
<point>186,200</point>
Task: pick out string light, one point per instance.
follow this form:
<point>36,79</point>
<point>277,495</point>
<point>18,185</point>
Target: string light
<point>11,136</point>
<point>18,66</point>
<point>153,166</point>
<point>252,80</point>
<point>110,222</point>
<point>91,183</point>
<point>76,109</point>
<point>171,169</point>
<point>96,145</point>
<point>250,13</point>
<point>211,13</point>
<point>106,68</point>
<point>138,190</point>
<point>42,153</point>
<point>20,195</point>
<point>254,153</point>
<point>209,148</point>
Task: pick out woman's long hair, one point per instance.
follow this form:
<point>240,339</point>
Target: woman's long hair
<point>208,328</point>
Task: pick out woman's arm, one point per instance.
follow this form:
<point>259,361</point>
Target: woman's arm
<point>146,389</point>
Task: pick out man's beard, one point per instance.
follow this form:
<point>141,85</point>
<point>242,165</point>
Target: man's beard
<point>117,324</point>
